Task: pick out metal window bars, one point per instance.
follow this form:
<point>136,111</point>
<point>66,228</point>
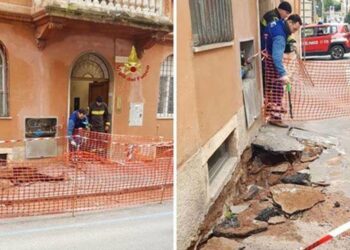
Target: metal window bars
<point>166,91</point>
<point>212,21</point>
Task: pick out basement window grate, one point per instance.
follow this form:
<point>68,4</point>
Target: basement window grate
<point>219,158</point>
<point>3,159</point>
<point>250,84</point>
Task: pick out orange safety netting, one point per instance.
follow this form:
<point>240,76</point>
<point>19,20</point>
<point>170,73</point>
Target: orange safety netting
<point>319,90</point>
<point>100,171</point>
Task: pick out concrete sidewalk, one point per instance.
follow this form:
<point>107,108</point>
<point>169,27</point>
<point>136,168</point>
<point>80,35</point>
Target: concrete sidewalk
<point>333,166</point>
<point>139,228</point>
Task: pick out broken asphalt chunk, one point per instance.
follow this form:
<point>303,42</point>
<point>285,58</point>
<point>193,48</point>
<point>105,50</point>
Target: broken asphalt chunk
<point>253,190</point>
<point>232,222</point>
<point>242,231</point>
<point>267,213</point>
<point>320,184</point>
<point>295,198</point>
<point>299,179</point>
<point>313,137</point>
<point>277,140</point>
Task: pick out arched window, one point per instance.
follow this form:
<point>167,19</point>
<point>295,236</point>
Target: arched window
<point>166,89</point>
<point>3,89</point>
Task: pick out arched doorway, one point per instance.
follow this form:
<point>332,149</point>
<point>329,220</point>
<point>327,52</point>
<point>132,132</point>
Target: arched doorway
<point>90,77</point>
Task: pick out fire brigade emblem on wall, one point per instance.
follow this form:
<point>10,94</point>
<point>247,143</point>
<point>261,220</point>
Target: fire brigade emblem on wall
<point>131,70</point>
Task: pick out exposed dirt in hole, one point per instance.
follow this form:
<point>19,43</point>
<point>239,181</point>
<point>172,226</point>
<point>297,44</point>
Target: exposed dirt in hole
<point>234,188</point>
<point>18,175</point>
<point>286,231</point>
<point>264,169</point>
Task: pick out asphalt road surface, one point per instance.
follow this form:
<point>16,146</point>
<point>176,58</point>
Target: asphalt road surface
<point>139,228</point>
<point>326,58</point>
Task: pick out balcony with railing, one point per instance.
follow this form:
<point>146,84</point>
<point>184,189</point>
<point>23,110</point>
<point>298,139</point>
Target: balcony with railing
<point>151,10</point>
<point>142,21</point>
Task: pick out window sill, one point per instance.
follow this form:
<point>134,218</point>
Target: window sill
<point>165,117</point>
<point>212,46</point>
<point>6,118</point>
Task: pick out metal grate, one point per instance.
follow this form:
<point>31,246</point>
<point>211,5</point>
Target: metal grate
<point>250,85</point>
<point>41,149</point>
<point>90,65</point>
<point>166,92</point>
<point>211,21</point>
<point>41,127</point>
<point>218,158</point>
<point>252,100</point>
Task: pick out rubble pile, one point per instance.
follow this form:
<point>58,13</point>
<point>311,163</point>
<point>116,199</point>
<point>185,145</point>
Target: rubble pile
<point>277,188</point>
<point>12,176</point>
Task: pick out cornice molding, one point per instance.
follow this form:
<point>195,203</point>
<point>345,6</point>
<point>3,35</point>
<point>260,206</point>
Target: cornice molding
<point>49,20</point>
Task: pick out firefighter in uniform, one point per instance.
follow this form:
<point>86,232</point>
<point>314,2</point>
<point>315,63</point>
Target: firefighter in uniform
<point>281,12</point>
<point>98,116</point>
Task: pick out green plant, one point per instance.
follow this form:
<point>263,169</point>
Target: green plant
<point>335,3</point>
<point>228,213</point>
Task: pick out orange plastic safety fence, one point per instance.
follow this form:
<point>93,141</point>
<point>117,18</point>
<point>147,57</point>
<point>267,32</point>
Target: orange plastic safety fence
<point>319,90</point>
<point>97,171</point>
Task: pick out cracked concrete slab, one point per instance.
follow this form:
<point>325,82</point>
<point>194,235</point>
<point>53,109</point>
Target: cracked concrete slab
<point>333,165</point>
<point>320,139</point>
<point>337,175</point>
<point>295,198</point>
<point>277,140</point>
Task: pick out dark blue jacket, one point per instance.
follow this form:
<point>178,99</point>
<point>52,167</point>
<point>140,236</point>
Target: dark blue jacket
<point>75,122</point>
<point>277,34</point>
<point>270,16</point>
